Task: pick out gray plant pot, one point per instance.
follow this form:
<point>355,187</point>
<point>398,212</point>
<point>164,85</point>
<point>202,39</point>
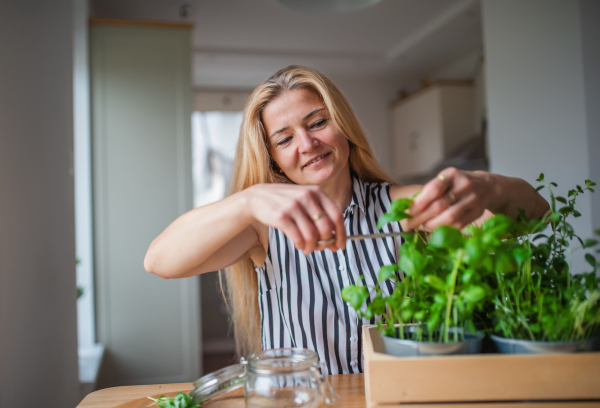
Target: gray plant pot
<point>518,346</point>
<point>411,348</point>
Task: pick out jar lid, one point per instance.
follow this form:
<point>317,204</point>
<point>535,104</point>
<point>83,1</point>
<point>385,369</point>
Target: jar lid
<point>219,382</point>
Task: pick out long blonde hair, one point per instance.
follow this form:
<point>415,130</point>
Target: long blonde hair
<point>253,165</point>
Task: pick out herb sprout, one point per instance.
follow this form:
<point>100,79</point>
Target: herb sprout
<point>181,400</point>
<point>509,276</point>
<point>541,299</point>
<point>445,280</point>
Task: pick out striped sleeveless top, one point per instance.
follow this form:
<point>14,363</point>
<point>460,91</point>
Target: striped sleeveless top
<point>300,296</point>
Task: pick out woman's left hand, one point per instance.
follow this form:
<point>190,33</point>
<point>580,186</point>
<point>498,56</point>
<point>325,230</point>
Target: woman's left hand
<point>454,197</point>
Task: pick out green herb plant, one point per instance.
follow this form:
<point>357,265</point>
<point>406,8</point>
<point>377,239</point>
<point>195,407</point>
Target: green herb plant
<point>541,299</point>
<point>445,281</point>
<point>180,400</point>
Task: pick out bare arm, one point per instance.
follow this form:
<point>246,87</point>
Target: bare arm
<point>218,235</point>
<point>205,239</point>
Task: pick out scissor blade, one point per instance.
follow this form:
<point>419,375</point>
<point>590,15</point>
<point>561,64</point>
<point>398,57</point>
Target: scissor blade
<point>372,236</point>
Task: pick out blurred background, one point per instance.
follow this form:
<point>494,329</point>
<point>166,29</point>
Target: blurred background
<point>116,116</point>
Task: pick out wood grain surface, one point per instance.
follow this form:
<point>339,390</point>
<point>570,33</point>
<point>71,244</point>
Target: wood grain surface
<point>350,387</point>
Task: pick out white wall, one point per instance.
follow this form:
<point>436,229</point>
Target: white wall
<point>141,118</point>
<point>370,97</point>
<point>537,106</point>
<point>38,333</point>
<point>83,177</point>
<point>590,36</point>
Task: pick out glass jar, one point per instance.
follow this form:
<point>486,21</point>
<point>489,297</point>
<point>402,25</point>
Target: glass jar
<point>272,378</point>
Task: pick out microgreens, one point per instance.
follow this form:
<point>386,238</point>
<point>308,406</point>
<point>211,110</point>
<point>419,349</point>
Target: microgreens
<point>181,400</point>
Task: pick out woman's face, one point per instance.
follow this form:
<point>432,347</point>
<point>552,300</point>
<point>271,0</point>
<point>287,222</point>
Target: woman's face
<point>303,140</point>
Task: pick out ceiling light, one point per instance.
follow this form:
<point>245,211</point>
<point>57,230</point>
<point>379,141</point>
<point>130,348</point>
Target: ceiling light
<point>328,6</point>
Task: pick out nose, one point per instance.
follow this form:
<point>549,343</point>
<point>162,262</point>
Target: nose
<point>307,142</point>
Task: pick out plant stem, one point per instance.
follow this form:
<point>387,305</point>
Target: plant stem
<point>459,256</point>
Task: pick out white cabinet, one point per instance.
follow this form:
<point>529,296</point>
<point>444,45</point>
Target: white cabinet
<point>430,124</point>
<point>142,180</point>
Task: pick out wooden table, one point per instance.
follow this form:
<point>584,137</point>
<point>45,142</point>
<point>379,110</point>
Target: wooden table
<point>350,387</point>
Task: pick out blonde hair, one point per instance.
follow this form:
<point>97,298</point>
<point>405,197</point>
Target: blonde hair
<point>253,165</point>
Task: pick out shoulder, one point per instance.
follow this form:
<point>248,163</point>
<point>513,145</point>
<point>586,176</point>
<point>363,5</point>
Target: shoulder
<point>397,191</point>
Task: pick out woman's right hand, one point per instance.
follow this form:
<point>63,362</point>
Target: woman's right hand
<point>305,214</point>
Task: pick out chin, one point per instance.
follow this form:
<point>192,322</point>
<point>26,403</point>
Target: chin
<point>319,177</point>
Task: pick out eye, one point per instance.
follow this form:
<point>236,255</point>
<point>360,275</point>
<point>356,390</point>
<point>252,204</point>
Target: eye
<point>318,124</point>
<point>284,141</point>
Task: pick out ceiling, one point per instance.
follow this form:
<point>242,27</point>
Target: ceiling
<point>239,43</point>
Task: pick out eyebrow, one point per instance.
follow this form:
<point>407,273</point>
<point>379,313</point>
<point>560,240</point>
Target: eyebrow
<point>283,129</point>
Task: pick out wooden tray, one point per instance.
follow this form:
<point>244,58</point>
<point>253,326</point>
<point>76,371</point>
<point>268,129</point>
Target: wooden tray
<point>483,378</point>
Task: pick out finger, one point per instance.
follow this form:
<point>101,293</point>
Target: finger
<point>314,208</point>
<point>337,220</point>
<point>453,216</point>
<point>433,190</point>
<point>324,225</point>
<point>433,210</point>
<point>291,230</point>
<point>310,233</point>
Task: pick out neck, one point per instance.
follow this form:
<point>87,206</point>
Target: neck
<point>340,189</point>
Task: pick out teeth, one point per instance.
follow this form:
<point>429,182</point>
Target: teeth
<point>316,160</point>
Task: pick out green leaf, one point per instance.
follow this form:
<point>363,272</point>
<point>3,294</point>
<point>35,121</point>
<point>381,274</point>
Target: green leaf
<point>576,213</point>
<point>572,193</point>
<point>554,184</point>
<point>521,254</point>
<point>400,205</point>
<point>555,217</point>
<point>538,188</point>
<point>473,294</point>
<point>387,271</point>
<point>468,275</point>
<point>561,199</point>
<point>447,237</point>
<point>541,177</point>
<point>440,298</point>
<point>433,321</point>
<point>588,243</point>
<point>356,295</point>
<point>591,260</point>
<point>565,210</point>
<point>385,219</point>
<point>589,183</point>
<point>435,282</point>
<point>420,315</point>
<point>412,263</point>
<point>377,306</point>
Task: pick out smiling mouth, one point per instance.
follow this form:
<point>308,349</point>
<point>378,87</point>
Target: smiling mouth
<point>316,159</point>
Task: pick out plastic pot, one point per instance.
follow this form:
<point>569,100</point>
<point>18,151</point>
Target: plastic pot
<point>411,348</point>
<point>518,346</point>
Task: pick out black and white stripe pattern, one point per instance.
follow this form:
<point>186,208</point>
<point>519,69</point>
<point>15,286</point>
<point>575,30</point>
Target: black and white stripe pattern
<point>300,296</point>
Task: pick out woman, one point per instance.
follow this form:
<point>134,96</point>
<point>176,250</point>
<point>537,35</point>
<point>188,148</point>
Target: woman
<point>304,172</point>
